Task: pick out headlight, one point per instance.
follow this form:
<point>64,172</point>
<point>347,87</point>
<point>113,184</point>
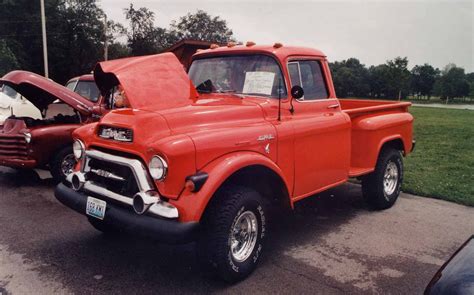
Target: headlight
<point>27,137</point>
<point>158,168</point>
<point>78,149</point>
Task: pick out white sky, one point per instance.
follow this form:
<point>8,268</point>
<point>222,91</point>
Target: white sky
<point>432,31</point>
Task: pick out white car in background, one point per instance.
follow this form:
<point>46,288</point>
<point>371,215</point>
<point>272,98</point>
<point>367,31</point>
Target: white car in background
<point>12,103</point>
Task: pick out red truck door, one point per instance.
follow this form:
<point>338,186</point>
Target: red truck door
<point>322,131</point>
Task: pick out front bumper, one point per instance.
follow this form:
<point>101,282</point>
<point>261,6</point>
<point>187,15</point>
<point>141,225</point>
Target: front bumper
<point>163,230</point>
<point>18,163</point>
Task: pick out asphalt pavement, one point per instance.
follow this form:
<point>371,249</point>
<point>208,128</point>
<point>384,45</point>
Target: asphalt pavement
<point>331,244</point>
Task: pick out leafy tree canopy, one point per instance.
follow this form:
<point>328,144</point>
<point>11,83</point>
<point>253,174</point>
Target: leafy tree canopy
<point>201,26</point>
<point>8,60</point>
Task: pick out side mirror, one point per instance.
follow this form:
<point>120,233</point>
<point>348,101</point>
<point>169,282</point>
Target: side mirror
<point>297,92</point>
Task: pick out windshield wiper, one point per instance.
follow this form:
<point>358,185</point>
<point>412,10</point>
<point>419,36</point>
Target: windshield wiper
<point>226,91</point>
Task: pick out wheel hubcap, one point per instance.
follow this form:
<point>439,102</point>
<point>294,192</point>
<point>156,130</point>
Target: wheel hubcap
<point>244,236</point>
<point>67,165</point>
<point>390,179</point>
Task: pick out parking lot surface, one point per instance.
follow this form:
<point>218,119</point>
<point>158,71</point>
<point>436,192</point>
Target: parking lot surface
<point>331,244</point>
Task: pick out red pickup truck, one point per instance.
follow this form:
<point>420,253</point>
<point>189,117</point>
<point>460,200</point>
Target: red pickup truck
<point>205,155</point>
<point>46,143</point>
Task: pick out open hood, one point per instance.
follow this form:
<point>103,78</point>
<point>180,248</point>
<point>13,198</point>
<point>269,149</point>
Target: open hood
<point>41,91</point>
<point>150,82</point>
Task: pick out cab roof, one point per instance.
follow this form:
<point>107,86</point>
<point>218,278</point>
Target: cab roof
<point>85,77</point>
<point>281,53</point>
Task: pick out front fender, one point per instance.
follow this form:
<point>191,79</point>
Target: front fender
<point>191,205</point>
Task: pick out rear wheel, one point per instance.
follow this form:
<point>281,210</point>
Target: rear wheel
<point>381,188</point>
<point>234,233</point>
<point>62,164</point>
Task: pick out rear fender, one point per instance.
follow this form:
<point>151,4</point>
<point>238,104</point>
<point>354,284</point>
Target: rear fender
<point>192,205</point>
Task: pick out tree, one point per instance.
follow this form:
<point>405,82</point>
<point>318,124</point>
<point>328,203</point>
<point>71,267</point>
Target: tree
<point>142,36</point>
<point>118,50</point>
<point>75,32</point>
<point>79,46</point>
<point>201,26</point>
<point>378,80</point>
<point>351,78</point>
<point>470,79</point>
<point>8,60</point>
<point>452,83</point>
<point>423,79</point>
<point>398,77</point>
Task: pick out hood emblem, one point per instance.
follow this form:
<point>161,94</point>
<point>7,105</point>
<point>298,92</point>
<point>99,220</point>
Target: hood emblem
<point>119,134</point>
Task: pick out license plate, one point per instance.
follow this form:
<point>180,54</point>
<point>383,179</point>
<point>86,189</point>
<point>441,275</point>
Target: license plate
<point>95,207</point>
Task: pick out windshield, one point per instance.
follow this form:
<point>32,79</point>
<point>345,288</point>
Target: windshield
<point>71,85</point>
<point>87,89</point>
<point>245,74</point>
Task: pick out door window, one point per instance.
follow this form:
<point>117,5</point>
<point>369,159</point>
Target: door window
<point>309,75</point>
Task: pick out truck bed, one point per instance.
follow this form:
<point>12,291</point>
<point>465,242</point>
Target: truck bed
<point>374,123</point>
<point>356,107</point>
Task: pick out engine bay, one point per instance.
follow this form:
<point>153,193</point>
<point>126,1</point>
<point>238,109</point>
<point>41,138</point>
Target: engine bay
<point>56,120</point>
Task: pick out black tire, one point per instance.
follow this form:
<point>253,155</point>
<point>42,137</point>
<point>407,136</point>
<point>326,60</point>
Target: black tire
<point>375,192</point>
<point>103,227</point>
<point>56,164</point>
<point>228,207</point>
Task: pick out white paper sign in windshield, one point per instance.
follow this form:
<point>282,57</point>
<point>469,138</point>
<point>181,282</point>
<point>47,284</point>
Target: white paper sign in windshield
<point>259,83</point>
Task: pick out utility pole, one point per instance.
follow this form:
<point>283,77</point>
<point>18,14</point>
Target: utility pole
<point>106,45</point>
<point>45,46</point>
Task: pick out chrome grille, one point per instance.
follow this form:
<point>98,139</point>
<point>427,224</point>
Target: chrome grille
<point>111,176</point>
<point>13,146</point>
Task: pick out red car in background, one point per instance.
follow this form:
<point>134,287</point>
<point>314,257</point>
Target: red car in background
<point>27,143</point>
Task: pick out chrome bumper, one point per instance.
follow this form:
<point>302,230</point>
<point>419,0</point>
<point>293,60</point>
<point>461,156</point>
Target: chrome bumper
<point>145,184</point>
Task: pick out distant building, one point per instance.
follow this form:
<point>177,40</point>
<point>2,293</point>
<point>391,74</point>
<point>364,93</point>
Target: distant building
<point>184,49</point>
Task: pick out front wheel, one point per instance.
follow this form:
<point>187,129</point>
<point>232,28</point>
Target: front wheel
<point>234,233</point>
<point>62,164</point>
<point>381,188</point>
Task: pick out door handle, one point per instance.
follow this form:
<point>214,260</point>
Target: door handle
<point>333,106</point>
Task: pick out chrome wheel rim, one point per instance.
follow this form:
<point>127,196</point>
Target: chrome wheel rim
<point>67,164</point>
<point>243,236</point>
<point>390,178</point>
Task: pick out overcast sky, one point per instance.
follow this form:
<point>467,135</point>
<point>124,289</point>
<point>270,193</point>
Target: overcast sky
<point>429,31</point>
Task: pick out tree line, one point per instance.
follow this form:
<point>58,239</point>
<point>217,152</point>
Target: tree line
<point>77,30</point>
<point>393,80</point>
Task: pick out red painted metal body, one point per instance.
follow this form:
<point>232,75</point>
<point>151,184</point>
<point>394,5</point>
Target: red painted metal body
<point>48,138</point>
<point>318,146</point>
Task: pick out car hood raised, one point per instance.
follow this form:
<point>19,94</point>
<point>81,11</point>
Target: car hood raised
<point>41,91</point>
<point>152,82</point>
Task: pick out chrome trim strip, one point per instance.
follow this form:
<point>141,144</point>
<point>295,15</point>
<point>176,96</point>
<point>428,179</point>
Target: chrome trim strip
<point>94,188</point>
<point>163,209</point>
<point>107,174</point>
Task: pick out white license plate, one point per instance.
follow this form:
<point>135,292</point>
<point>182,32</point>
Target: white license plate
<point>95,207</point>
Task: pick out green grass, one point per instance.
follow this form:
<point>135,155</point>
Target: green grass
<point>442,165</point>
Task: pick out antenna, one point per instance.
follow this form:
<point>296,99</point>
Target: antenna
<point>279,99</point>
